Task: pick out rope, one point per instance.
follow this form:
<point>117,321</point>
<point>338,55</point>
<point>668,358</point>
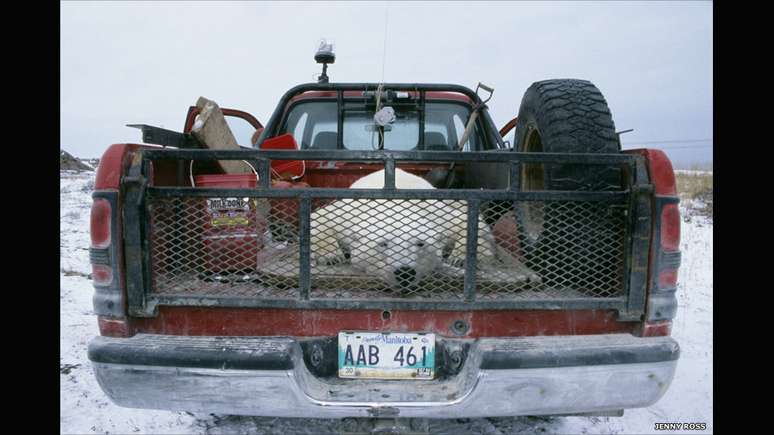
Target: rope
<point>378,108</point>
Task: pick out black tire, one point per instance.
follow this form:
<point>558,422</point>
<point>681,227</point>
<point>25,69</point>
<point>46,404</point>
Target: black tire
<point>568,116</point>
<point>563,116</point>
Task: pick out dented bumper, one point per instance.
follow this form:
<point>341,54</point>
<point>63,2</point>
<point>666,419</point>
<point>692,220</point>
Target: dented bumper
<point>270,376</point>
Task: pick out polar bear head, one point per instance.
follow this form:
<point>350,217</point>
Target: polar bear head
<point>401,252</point>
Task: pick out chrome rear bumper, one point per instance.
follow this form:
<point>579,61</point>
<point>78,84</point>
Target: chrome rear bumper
<point>267,376</point>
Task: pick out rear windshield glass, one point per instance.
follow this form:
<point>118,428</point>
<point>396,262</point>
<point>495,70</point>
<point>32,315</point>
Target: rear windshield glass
<point>314,125</point>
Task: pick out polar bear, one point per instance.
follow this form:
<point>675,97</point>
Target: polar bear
<point>399,241</point>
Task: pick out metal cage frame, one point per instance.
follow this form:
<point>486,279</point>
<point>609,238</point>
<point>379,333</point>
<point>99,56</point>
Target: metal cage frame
<point>635,198</point>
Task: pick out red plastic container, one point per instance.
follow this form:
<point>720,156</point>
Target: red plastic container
<point>233,181</point>
<point>286,169</point>
<point>233,228</point>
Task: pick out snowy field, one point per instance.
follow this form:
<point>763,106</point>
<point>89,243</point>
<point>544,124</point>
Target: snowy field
<point>85,409</point>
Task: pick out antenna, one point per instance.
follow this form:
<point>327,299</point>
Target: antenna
<point>384,46</point>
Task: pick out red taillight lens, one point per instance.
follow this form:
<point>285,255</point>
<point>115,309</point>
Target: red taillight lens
<point>100,223</point>
<point>667,279</point>
<point>670,228</point>
<point>101,274</point>
<point>670,242</point>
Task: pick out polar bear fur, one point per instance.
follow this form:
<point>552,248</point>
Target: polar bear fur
<point>400,241</point>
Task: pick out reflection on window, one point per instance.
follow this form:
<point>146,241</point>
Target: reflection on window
<point>313,125</point>
<point>298,132</point>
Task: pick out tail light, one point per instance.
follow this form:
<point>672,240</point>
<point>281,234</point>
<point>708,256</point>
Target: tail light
<point>662,300</point>
<point>670,228</point>
<point>100,223</point>
<point>102,271</point>
<point>670,246</point>
<point>105,275</point>
<point>101,274</point>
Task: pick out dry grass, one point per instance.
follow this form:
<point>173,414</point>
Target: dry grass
<point>694,186</point>
<point>695,191</point>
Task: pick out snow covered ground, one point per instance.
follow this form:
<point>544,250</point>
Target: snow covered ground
<point>85,409</point>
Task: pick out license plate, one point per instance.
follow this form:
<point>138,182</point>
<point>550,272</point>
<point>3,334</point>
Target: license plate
<point>386,355</point>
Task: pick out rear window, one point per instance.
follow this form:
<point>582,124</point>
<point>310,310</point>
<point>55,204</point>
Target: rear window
<point>314,125</point>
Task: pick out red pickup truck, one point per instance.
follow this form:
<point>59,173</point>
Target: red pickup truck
<point>468,277</point>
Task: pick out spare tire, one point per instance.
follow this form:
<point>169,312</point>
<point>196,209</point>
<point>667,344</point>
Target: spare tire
<point>563,116</point>
<point>565,240</point>
<point>566,116</point>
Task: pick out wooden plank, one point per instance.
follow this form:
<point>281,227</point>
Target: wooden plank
<point>212,130</point>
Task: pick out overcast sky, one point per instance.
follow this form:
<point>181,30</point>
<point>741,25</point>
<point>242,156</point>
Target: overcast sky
<point>143,62</point>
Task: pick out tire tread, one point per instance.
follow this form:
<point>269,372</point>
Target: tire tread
<point>572,117</point>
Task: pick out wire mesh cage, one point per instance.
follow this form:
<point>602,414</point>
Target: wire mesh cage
<point>407,249</point>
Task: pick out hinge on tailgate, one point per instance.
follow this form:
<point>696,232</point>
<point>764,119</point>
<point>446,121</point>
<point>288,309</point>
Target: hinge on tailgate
<point>140,182</point>
<point>643,188</point>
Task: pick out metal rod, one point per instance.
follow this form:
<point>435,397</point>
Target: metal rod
<point>389,174</point>
<point>381,155</point>
<point>422,117</point>
<point>515,176</point>
<point>305,268</point>
<point>614,303</point>
<point>340,120</point>
<point>264,173</point>
<point>458,194</point>
<point>471,250</point>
